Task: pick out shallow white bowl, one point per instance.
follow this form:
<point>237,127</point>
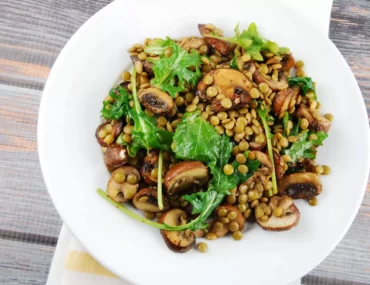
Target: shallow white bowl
<point>73,168</point>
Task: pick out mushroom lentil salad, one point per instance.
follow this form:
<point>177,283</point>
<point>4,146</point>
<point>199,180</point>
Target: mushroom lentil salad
<point>209,132</point>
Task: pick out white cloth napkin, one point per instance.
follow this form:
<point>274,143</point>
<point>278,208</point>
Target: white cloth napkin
<point>72,265</point>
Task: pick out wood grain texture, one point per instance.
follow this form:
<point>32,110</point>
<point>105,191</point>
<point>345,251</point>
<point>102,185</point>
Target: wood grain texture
<point>32,33</point>
<point>24,263</point>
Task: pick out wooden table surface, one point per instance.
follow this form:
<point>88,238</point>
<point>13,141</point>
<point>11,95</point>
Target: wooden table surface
<point>32,33</point>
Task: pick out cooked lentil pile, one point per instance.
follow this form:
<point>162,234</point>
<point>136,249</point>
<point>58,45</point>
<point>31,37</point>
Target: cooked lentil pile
<point>207,133</point>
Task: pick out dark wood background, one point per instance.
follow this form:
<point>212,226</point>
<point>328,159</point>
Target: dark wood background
<point>32,33</point>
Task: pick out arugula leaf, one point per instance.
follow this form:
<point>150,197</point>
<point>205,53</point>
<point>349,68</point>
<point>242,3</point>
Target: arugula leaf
<point>115,110</point>
<point>196,139</point>
<point>304,148</point>
<point>263,116</point>
<point>171,73</point>
<point>305,83</point>
<point>233,63</point>
<point>145,133</point>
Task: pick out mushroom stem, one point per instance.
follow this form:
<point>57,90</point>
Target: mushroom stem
<point>159,184</point>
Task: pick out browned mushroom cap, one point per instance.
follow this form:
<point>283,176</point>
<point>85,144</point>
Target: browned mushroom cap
<point>115,156</point>
<point>113,127</point>
<point>231,83</point>
<point>195,43</point>
<point>279,165</point>
<point>274,85</point>
<point>302,185</point>
<point>282,100</point>
<point>315,120</point>
<point>177,241</point>
<point>147,66</point>
<point>118,188</point>
<point>287,62</point>
<point>183,175</point>
<point>239,219</point>
<point>146,200</point>
<point>223,47</point>
<point>156,100</point>
<point>289,218</point>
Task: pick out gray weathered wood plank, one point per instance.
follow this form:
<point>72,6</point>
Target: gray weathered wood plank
<point>24,263</point>
<point>25,205</point>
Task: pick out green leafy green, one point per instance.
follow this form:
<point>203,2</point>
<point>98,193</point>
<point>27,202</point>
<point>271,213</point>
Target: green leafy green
<point>233,63</point>
<point>263,116</point>
<point>252,167</point>
<point>115,110</point>
<point>145,133</point>
<point>305,83</point>
<point>304,148</point>
<point>295,130</point>
<point>252,42</point>
<point>172,72</point>
<point>196,139</point>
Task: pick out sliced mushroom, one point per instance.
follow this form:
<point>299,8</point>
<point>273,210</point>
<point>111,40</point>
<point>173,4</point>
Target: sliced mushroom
<point>302,185</point>
<point>147,200</point>
<point>231,83</point>
<point>195,43</point>
<point>183,175</point>
<point>156,100</point>
<point>224,230</point>
<point>150,163</point>
<point>287,62</point>
<point>113,128</point>
<point>250,66</point>
<point>282,100</point>
<point>147,66</point>
<point>286,221</point>
<point>265,171</point>
<point>115,156</point>
<point>118,188</point>
<point>257,146</point>
<point>223,47</point>
<point>282,84</point>
<point>177,241</point>
<point>315,120</point>
<point>279,165</point>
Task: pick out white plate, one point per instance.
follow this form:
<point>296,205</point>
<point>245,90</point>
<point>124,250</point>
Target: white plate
<point>73,167</point>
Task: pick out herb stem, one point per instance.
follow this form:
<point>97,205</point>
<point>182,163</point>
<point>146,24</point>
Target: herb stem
<point>130,213</point>
<point>159,184</point>
<point>134,92</point>
<point>263,116</point>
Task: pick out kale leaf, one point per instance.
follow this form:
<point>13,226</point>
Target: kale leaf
<point>172,72</point>
<point>305,148</point>
<point>117,108</point>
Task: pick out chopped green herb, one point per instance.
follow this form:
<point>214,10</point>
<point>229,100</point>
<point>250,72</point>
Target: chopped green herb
<point>304,148</point>
<point>233,63</point>
<point>295,130</point>
<point>115,110</point>
<point>171,73</point>
<point>305,83</point>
